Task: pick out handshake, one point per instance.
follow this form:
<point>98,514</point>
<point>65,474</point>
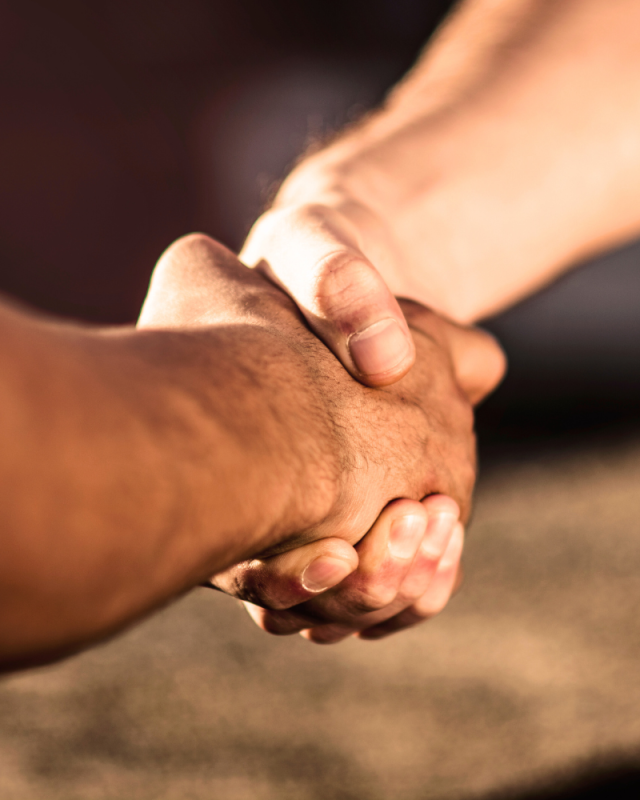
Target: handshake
<point>315,459</point>
<point>281,425</point>
<point>352,413</point>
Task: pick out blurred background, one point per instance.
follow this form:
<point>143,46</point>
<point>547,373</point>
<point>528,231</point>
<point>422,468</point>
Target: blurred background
<point>126,124</point>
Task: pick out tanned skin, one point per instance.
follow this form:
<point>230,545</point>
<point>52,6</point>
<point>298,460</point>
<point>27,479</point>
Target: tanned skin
<point>135,464</point>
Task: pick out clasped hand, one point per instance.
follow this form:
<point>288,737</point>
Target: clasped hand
<point>376,545</point>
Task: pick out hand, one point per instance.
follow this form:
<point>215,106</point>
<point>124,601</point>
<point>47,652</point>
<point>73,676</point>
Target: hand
<point>316,252</point>
<point>407,588</point>
<point>408,567</point>
<point>411,440</point>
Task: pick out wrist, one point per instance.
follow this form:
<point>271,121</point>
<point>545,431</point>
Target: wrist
<point>440,210</point>
<point>482,163</point>
<point>255,447</point>
<point>398,220</point>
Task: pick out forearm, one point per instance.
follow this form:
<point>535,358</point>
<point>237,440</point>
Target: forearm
<point>133,466</point>
<point>510,152</point>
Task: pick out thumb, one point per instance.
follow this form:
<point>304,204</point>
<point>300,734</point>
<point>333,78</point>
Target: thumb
<point>312,252</point>
<point>289,578</point>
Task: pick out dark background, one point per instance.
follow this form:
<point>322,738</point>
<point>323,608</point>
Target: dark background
<point>116,120</point>
<point>126,124</point>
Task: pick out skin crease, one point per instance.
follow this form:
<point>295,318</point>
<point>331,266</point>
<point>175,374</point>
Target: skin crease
<point>507,154</point>
<point>136,463</point>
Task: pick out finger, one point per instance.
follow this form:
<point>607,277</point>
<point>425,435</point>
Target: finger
<point>290,578</point>
<point>278,623</point>
<point>442,515</point>
<point>443,524</point>
<point>385,555</point>
<point>479,363</point>
<point>422,569</point>
<point>314,254</point>
<point>444,582</point>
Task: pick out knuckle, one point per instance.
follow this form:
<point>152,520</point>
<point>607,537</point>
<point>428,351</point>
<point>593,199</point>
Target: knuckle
<point>345,283</point>
<point>280,623</point>
<point>189,250</point>
<point>191,245</point>
<point>251,585</point>
<point>329,634</point>
<point>410,593</point>
<point>197,240</point>
<point>373,598</point>
<point>430,606</point>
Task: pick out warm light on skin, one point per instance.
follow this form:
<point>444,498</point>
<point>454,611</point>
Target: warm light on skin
<point>507,154</point>
<point>137,463</point>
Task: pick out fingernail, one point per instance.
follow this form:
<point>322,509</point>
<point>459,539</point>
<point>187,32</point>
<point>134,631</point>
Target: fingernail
<point>454,549</point>
<point>323,573</point>
<point>405,536</point>
<point>379,348</point>
<point>439,532</point>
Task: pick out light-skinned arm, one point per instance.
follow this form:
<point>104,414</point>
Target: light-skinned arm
<point>509,153</point>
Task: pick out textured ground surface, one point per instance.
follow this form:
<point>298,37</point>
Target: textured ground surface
<point>532,672</point>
